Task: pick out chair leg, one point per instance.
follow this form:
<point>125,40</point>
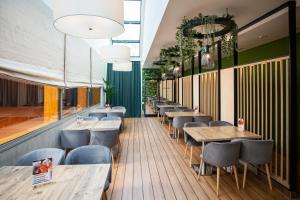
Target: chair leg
<point>245,174</point>
<point>178,135</point>
<point>200,168</point>
<point>236,177</point>
<point>191,156</point>
<point>186,147</point>
<point>112,159</point>
<point>268,175</point>
<point>104,196</point>
<point>218,180</point>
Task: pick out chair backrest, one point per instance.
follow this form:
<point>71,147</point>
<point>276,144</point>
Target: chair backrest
<point>180,108</point>
<point>256,152</point>
<point>219,123</point>
<point>221,154</point>
<point>204,119</point>
<point>99,115</point>
<point>115,114</point>
<point>178,122</point>
<point>108,138</point>
<point>111,118</point>
<point>193,124</point>
<point>173,110</point>
<point>89,118</point>
<point>71,139</point>
<point>57,156</point>
<point>118,107</point>
<point>188,110</point>
<point>164,109</point>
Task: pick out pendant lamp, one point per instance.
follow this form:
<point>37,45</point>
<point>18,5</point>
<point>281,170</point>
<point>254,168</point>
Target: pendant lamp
<point>122,67</point>
<point>93,19</point>
<point>115,54</point>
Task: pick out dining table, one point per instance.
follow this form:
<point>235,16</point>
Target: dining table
<point>183,114</point>
<point>205,135</point>
<point>68,182</point>
<point>106,125</point>
<point>108,110</point>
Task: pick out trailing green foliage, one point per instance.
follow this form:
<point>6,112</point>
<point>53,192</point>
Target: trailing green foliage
<point>108,91</point>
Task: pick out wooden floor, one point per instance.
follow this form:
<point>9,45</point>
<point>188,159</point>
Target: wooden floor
<point>151,166</point>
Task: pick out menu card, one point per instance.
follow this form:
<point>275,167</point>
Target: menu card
<point>42,171</point>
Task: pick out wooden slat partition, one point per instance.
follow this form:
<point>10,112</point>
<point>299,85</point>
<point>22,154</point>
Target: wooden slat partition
<point>187,91</point>
<point>161,88</point>
<point>209,94</point>
<point>177,89</point>
<point>170,90</point>
<point>263,98</point>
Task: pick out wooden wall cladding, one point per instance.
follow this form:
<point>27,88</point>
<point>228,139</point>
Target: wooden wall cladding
<point>50,102</point>
<point>180,91</point>
<point>170,89</point>
<point>263,101</point>
<point>187,91</point>
<point>81,98</point>
<point>177,90</point>
<point>209,94</point>
<point>161,88</point>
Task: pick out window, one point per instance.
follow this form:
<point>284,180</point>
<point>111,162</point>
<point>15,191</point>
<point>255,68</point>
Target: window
<point>25,107</point>
<point>132,25</point>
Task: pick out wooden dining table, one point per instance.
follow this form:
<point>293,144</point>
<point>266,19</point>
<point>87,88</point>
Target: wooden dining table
<point>68,182</point>
<point>216,134</point>
<point>105,110</point>
<point>183,114</point>
<point>95,125</point>
<point>167,105</point>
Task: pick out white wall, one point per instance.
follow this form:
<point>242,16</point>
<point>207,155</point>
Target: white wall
<point>152,13</point>
<point>227,95</point>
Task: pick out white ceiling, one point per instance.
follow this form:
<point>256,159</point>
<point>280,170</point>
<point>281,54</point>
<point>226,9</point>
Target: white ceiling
<point>244,12</point>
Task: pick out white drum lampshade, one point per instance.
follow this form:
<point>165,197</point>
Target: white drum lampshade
<point>122,67</point>
<point>89,19</point>
<point>115,54</point>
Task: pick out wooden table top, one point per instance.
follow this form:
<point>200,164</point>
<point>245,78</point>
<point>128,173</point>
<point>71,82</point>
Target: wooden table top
<point>68,182</point>
<point>103,110</point>
<point>184,114</point>
<point>95,125</point>
<point>221,133</point>
<point>167,106</point>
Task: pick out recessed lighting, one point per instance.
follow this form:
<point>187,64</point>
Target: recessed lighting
<point>262,36</point>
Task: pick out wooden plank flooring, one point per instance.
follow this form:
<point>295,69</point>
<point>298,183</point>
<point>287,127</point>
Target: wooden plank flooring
<point>152,166</point>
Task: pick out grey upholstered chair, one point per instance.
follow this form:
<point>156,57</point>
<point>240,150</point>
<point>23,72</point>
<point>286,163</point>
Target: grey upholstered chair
<point>188,110</point>
<point>256,152</point>
<point>189,141</point>
<point>162,112</point>
<point>90,118</point>
<point>178,123</point>
<point>221,155</point>
<point>204,119</point>
<point>71,139</point>
<point>117,114</point>
<point>118,107</point>
<point>57,156</point>
<point>91,154</point>
<point>170,119</point>
<point>111,118</point>
<point>99,115</point>
<point>219,123</point>
<point>181,108</point>
<point>105,138</point>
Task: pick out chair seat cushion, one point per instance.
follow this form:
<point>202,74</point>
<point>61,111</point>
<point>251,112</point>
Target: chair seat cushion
<point>192,142</point>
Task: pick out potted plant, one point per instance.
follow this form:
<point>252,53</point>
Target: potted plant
<point>108,89</point>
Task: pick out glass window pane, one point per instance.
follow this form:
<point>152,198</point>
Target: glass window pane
<point>132,10</point>
<point>132,32</point>
<point>134,48</point>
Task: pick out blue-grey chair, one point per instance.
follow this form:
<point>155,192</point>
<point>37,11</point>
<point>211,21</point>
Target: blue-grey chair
<point>170,119</point>
<point>99,115</point>
<point>189,141</point>
<point>204,119</point>
<point>111,118</point>
<point>188,110</point>
<point>219,123</point>
<point>71,139</point>
<point>89,118</point>
<point>181,108</point>
<point>107,138</point>
<point>162,112</point>
<point>57,156</point>
<point>256,152</point>
<point>117,114</point>
<point>91,154</point>
<point>178,123</point>
<point>118,107</point>
<point>221,155</point>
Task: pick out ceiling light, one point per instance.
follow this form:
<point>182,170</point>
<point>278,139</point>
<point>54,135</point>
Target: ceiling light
<point>123,67</point>
<point>115,54</point>
<point>92,19</point>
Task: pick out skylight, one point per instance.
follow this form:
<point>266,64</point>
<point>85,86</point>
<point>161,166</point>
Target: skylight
<point>132,25</point>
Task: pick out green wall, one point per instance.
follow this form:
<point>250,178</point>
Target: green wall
<point>149,87</point>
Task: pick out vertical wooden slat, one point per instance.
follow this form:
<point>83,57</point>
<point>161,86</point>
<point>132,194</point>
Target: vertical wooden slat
<point>271,106</point>
<point>258,99</point>
<point>244,93</point>
<point>238,92</point>
<point>287,96</point>
<point>247,99</point>
<point>266,101</point>
<point>214,91</point>
<point>262,100</point>
<point>281,119</point>
<point>276,118</point>
<point>250,84</point>
<point>254,98</point>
